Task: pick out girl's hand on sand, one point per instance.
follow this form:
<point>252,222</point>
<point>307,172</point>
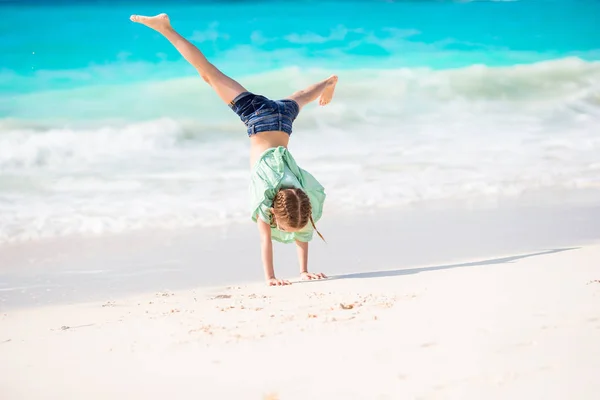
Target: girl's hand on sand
<point>277,282</point>
<point>307,276</point>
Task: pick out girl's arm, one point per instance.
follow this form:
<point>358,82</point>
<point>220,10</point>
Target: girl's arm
<point>302,250</point>
<point>266,251</point>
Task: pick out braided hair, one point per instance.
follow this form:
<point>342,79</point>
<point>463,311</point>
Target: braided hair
<point>292,207</point>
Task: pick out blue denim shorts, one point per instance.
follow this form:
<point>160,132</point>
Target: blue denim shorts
<point>261,114</point>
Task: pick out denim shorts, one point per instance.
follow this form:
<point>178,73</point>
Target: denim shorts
<point>261,114</point>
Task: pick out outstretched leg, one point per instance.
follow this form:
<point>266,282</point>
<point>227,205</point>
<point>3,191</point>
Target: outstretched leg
<point>324,90</point>
<point>226,88</point>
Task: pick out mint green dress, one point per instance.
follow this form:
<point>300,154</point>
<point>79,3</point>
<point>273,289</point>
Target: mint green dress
<point>275,169</point>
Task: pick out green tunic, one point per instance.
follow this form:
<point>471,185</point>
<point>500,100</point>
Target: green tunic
<point>275,169</point>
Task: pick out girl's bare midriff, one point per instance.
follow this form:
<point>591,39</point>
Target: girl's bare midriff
<point>265,140</point>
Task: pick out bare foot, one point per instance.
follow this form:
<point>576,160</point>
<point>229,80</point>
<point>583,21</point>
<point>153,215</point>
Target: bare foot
<point>327,94</point>
<point>159,22</point>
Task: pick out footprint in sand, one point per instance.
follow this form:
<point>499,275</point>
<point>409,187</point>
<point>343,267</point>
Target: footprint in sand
<point>221,296</point>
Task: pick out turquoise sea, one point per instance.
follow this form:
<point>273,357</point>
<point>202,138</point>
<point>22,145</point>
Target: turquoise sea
<point>104,128</point>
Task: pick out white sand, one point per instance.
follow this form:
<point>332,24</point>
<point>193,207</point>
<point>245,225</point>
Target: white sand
<point>515,328</point>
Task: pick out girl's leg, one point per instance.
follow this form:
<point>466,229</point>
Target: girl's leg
<point>226,88</point>
<point>323,89</point>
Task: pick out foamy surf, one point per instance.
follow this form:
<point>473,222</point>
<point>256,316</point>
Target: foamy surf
<point>169,155</point>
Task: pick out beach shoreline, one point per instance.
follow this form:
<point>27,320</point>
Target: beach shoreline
<point>74,270</point>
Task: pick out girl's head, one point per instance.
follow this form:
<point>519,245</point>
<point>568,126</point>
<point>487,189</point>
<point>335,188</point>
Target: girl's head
<point>292,211</point>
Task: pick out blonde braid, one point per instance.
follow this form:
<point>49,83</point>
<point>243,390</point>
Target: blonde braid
<point>292,207</point>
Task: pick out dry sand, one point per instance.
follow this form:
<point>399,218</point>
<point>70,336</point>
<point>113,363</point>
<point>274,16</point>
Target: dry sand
<point>526,326</point>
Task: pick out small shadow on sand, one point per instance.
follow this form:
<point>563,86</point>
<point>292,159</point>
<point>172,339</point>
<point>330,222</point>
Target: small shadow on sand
<point>493,261</point>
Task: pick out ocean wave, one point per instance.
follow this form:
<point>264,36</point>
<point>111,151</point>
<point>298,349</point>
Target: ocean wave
<point>192,98</point>
<point>120,122</point>
<point>170,154</point>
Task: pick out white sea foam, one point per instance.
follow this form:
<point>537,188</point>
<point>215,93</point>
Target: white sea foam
<point>168,154</point>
